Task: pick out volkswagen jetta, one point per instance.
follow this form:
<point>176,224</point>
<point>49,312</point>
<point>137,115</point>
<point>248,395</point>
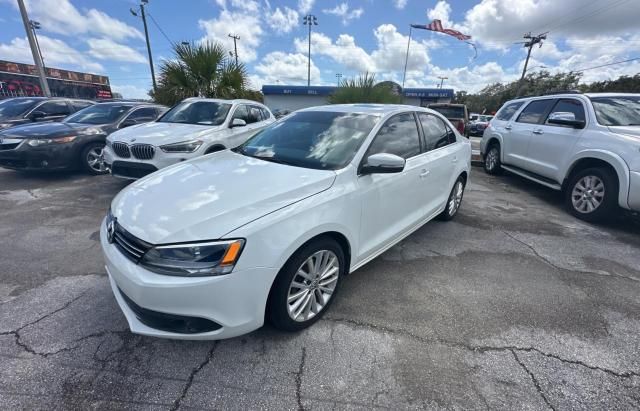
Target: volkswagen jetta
<point>210,248</point>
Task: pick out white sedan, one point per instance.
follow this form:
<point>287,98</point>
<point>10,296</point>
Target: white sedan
<point>194,127</point>
<point>210,248</point>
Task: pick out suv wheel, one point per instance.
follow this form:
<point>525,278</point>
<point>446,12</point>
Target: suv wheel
<point>492,164</point>
<point>306,285</point>
<point>91,159</point>
<point>591,194</point>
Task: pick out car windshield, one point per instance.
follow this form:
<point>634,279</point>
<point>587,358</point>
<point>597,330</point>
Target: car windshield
<point>16,107</point>
<point>313,139</point>
<point>449,111</point>
<point>205,113</point>
<point>485,119</point>
<point>618,110</point>
<point>99,114</point>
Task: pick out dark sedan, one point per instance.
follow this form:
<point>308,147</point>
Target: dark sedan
<point>27,110</point>
<point>75,142</point>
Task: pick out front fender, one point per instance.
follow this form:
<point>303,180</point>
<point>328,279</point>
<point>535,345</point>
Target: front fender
<point>619,165</point>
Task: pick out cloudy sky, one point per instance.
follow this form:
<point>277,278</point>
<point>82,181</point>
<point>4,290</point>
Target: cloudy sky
<point>353,36</point>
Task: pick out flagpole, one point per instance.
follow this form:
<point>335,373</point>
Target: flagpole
<point>406,59</point>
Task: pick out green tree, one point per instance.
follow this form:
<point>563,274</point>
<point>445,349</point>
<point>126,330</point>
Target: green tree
<point>363,89</point>
<point>201,70</point>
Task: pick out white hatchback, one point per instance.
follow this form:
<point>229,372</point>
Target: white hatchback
<point>194,127</point>
<point>210,248</point>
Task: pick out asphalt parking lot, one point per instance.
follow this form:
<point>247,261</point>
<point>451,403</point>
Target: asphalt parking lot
<point>513,305</point>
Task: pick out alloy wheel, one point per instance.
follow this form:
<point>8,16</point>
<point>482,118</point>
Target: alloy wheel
<point>456,198</point>
<point>95,159</point>
<point>587,194</point>
<point>313,285</point>
<point>492,158</point>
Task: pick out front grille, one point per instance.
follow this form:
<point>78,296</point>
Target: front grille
<point>8,146</point>
<point>172,323</point>
<point>121,149</point>
<point>143,151</point>
<point>131,170</point>
<point>129,245</point>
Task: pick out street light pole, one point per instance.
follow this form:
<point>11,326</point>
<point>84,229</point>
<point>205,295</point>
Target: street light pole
<point>442,79</point>
<point>309,20</point>
<point>37,57</point>
<point>339,77</point>
<point>235,46</point>
<point>146,36</point>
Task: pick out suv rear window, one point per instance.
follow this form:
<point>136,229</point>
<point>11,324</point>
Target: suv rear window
<point>535,111</point>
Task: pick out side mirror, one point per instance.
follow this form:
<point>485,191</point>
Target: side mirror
<point>563,118</point>
<point>37,115</point>
<point>237,122</point>
<point>383,163</point>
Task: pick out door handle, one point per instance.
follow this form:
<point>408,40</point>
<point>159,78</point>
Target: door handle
<point>507,127</point>
<point>455,159</point>
<point>424,173</point>
<point>538,131</point>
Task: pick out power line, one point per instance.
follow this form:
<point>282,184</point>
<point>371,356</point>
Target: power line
<point>160,28</point>
<point>606,65</point>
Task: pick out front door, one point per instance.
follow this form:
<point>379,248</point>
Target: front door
<point>392,203</point>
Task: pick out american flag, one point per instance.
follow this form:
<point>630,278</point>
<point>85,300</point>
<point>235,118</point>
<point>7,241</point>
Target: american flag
<point>436,25</point>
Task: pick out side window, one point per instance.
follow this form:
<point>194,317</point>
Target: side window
<point>436,132</point>
<point>508,111</point>
<point>568,105</point>
<point>241,113</point>
<point>79,104</point>
<point>254,114</point>
<point>54,108</point>
<point>535,112</point>
<point>143,114</point>
<point>398,136</point>
<point>451,135</point>
<point>265,114</point>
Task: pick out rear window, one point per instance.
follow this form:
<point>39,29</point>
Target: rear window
<point>450,111</point>
<point>507,111</point>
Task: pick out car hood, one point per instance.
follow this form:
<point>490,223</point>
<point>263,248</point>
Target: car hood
<point>162,133</point>
<point>47,130</point>
<point>633,131</point>
<point>208,197</point>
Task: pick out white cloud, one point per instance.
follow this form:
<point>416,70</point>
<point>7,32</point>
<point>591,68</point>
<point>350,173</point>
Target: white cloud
<point>130,91</point>
<point>305,6</point>
<point>107,49</point>
<point>247,26</point>
<point>62,17</point>
<point>279,67</point>
<point>392,47</point>
<point>282,20</point>
<point>343,11</point>
<point>400,4</point>
<point>56,53</point>
<point>441,11</point>
<point>343,51</point>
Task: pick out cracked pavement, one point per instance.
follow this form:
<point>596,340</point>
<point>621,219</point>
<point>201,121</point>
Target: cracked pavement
<point>512,305</point>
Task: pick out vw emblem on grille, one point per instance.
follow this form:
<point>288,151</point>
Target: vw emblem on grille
<point>111,230</point>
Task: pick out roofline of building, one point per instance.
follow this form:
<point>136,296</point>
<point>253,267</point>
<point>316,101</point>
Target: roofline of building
<point>271,89</point>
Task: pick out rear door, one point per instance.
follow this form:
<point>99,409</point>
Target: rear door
<point>53,110</point>
<point>516,146</point>
<point>439,160</point>
<point>551,144</point>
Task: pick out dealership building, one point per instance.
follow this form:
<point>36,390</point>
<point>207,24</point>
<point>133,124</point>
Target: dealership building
<point>278,97</point>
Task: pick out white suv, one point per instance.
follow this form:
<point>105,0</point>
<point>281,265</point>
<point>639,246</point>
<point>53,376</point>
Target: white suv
<point>194,127</point>
<point>587,145</point>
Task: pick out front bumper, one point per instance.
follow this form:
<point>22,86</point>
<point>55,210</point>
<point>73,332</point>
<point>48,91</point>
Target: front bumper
<point>50,157</point>
<point>634,191</point>
<point>236,302</point>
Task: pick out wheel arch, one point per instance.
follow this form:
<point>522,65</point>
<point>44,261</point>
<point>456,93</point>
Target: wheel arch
<point>601,158</point>
<point>215,147</point>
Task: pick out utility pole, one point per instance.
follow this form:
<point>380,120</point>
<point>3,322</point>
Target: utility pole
<point>309,20</point>
<point>442,79</point>
<point>339,77</point>
<point>235,46</point>
<point>406,58</point>
<point>529,42</point>
<point>37,58</point>
<point>146,36</point>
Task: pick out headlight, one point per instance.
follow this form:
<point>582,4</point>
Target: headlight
<point>91,131</point>
<point>183,147</point>
<point>44,141</point>
<point>194,260</point>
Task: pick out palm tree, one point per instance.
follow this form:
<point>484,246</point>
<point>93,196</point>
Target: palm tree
<point>364,89</point>
<point>200,70</point>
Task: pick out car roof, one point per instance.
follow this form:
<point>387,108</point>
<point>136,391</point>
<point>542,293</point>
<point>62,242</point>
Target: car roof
<point>220,100</point>
<point>379,109</point>
<point>612,95</point>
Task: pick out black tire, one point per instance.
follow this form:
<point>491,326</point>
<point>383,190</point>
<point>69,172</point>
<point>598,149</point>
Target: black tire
<point>492,163</point>
<point>88,154</point>
<point>607,198</point>
<point>278,307</point>
<point>451,209</point>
